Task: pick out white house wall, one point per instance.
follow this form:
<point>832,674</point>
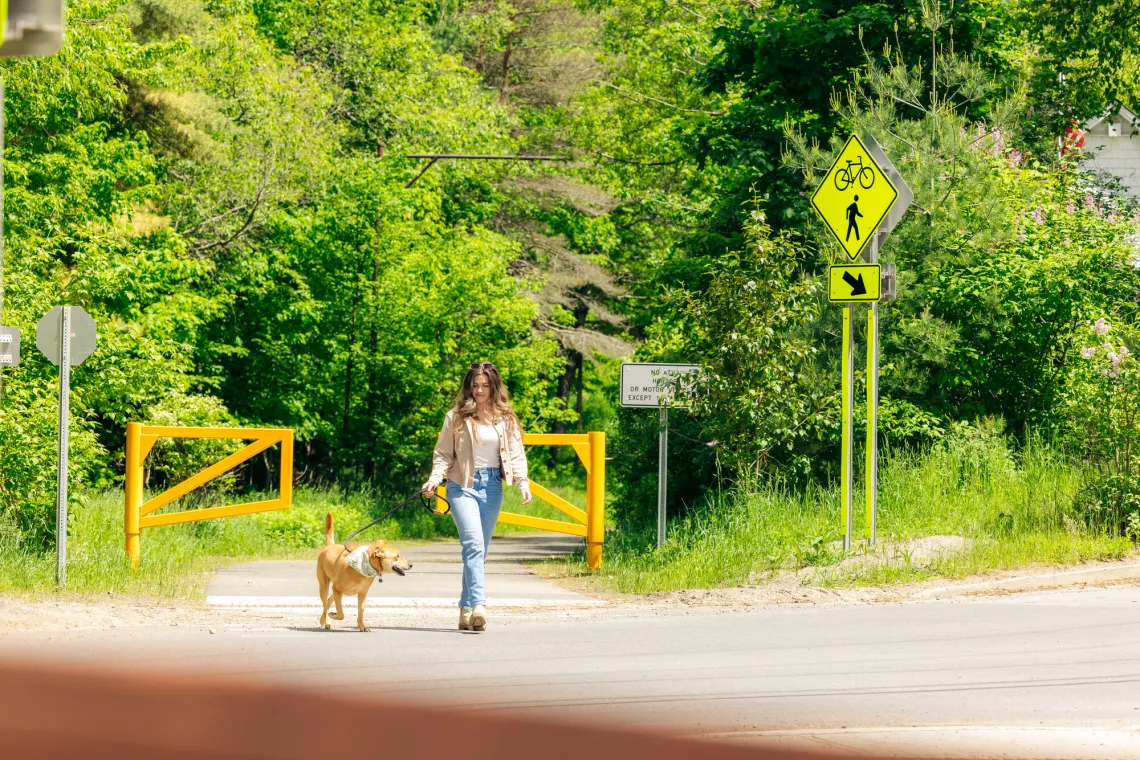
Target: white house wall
<point>1119,156</point>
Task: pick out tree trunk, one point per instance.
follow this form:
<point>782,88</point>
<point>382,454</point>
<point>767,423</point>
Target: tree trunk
<point>373,346</point>
<point>349,366</point>
<point>581,372</point>
<point>564,385</point>
<point>507,68</point>
<point>581,312</point>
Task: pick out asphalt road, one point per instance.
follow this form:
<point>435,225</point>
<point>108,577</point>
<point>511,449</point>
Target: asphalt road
<point>1052,674</point>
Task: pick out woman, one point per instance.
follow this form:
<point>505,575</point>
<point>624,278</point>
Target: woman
<point>479,448</point>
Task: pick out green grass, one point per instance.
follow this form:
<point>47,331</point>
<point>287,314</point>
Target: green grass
<point>1016,511</point>
<point>177,560</point>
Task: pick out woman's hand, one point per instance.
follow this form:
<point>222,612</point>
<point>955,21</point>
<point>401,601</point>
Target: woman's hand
<point>429,487</point>
<point>524,489</point>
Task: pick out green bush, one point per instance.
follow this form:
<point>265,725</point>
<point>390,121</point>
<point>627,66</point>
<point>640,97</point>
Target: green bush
<point>29,447</point>
<point>173,460</point>
<point>1104,406</point>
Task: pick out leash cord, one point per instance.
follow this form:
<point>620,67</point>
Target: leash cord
<point>425,502</point>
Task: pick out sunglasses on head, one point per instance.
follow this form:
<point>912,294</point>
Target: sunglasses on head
<point>482,365</point>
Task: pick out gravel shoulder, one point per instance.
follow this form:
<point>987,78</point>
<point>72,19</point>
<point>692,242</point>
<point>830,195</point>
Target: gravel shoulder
<point>798,588</point>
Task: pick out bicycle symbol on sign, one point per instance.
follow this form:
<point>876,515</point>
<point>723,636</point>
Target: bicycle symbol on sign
<point>855,171</point>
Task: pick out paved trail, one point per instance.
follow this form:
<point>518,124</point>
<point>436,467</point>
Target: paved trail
<point>1038,675</point>
<point>433,583</point>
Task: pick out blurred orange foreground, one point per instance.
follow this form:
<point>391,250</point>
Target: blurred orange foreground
<point>82,714</point>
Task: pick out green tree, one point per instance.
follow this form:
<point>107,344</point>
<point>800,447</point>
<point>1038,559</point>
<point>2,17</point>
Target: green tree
<point>1000,258</point>
<point>1087,60</point>
<point>782,61</point>
<point>758,392</point>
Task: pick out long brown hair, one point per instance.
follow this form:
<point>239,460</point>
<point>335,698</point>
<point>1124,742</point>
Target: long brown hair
<point>500,401</point>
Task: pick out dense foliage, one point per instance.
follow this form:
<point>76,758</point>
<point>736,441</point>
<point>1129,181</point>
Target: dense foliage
<point>226,185</point>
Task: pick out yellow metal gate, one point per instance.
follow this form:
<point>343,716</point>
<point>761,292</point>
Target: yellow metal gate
<point>141,439</point>
<point>591,524</point>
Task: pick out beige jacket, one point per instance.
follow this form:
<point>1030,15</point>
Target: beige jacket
<point>454,457</point>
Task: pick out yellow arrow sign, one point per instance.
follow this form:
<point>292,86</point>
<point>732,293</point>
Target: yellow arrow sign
<point>854,282</point>
<point>854,197</point>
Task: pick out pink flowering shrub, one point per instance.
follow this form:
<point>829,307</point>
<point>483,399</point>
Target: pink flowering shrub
<point>1105,409</point>
<point>1008,302</point>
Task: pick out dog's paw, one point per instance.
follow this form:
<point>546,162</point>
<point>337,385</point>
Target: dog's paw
<point>336,616</point>
<point>326,626</point>
<point>364,629</point>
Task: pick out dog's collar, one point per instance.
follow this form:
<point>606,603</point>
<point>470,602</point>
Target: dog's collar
<point>357,559</point>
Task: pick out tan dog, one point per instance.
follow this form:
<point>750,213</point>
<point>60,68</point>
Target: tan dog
<point>335,564</point>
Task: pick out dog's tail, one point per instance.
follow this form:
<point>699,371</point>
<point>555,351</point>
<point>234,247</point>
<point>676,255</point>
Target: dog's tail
<point>328,529</point>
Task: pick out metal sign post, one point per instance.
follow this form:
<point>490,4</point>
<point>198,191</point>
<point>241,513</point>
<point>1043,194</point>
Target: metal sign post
<point>860,200</point>
<point>847,454</point>
<point>647,386</point>
<point>871,468</point>
<point>66,336</point>
<point>662,472</point>
<point>894,215</point>
<point>61,460</point>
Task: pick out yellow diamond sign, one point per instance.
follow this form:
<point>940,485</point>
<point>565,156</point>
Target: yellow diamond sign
<point>854,197</point>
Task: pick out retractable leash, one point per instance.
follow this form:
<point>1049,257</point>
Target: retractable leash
<point>425,502</point>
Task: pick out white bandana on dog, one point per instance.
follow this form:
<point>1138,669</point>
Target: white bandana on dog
<point>357,559</point>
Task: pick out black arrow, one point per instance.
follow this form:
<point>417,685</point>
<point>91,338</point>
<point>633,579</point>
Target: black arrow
<point>857,286</point>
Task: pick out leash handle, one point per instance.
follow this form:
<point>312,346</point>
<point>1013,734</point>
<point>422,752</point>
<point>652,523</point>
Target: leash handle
<point>424,501</point>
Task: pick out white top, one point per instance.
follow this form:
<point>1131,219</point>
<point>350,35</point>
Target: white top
<point>487,446</point>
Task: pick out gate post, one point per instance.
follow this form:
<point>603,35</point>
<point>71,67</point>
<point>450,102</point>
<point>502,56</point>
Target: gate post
<point>134,489</point>
<point>286,491</point>
<point>596,501</point>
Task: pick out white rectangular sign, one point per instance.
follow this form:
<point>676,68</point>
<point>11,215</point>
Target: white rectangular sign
<point>641,384</point>
<point>9,346</point>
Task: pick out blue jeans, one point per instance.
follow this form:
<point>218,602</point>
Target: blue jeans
<point>475,511</point>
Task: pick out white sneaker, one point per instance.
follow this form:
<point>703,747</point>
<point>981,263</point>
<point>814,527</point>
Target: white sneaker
<point>479,618</point>
<point>464,619</point>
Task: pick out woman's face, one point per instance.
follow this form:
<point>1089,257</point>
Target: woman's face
<point>481,389</point>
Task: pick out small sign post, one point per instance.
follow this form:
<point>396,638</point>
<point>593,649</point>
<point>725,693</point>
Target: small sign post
<point>66,336</point>
<point>61,458</point>
<point>648,386</point>
<point>861,199</point>
<point>894,216</point>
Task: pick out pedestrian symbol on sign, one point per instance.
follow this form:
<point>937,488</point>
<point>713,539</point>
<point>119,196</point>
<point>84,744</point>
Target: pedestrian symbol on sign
<point>852,214</point>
